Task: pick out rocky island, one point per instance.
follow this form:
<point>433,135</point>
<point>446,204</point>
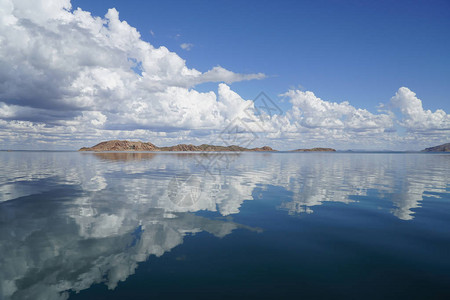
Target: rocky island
<point>117,145</point>
<point>440,148</point>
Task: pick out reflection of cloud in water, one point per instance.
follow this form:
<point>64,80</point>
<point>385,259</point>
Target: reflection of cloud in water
<point>403,179</point>
<point>55,242</point>
<point>312,178</point>
<point>88,218</point>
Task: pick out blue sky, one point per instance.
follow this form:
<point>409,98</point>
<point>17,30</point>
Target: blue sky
<point>346,74</point>
<point>360,51</point>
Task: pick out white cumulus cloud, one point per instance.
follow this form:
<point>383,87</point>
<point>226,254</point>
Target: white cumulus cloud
<point>415,118</point>
<point>70,78</point>
<point>64,67</point>
<point>312,112</point>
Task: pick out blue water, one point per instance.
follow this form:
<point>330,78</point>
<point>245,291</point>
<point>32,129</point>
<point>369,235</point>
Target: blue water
<point>252,225</point>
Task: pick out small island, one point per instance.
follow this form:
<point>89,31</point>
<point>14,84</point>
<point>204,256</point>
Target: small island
<point>316,150</point>
<point>440,148</point>
<point>118,145</point>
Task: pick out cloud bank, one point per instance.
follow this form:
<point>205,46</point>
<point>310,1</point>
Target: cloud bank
<point>70,78</point>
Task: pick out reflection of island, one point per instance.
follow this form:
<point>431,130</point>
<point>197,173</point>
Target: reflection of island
<point>124,155</point>
<point>68,220</point>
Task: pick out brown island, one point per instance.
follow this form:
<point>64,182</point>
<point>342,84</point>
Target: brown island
<point>117,145</point>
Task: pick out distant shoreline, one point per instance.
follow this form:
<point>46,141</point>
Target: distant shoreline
<point>183,148</point>
<point>233,152</point>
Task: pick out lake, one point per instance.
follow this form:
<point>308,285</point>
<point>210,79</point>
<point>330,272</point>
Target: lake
<point>238,225</point>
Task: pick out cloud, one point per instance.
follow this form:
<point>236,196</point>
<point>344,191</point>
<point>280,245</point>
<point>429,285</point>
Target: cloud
<point>313,121</point>
<point>346,125</point>
<point>415,118</point>
<point>58,64</point>
<point>68,77</point>
<point>227,76</point>
<point>187,46</point>
<point>309,111</point>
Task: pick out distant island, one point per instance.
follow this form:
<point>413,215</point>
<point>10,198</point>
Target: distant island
<point>117,145</point>
<point>440,148</point>
<point>315,150</point>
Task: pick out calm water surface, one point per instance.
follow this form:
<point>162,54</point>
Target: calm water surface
<point>253,225</point>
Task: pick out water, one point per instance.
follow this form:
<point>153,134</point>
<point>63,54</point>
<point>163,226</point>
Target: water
<point>254,225</point>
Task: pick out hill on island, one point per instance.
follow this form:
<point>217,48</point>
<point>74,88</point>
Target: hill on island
<point>440,148</point>
<point>117,145</point>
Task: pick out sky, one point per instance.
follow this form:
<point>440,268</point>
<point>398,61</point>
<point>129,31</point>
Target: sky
<point>289,74</point>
